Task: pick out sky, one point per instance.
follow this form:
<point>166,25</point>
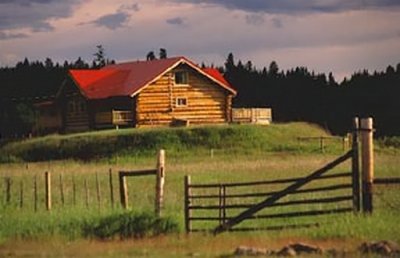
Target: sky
<point>338,36</point>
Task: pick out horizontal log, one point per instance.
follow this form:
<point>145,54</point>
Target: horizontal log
<point>268,182</point>
<point>393,180</point>
<point>138,172</point>
<point>313,201</point>
<point>280,215</point>
<point>145,122</point>
<point>264,194</point>
<point>190,108</point>
<point>279,204</point>
<point>191,99</point>
<point>303,213</point>
<point>218,207</point>
<point>277,227</point>
<point>182,116</point>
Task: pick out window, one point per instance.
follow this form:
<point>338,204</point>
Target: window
<point>181,78</point>
<point>181,102</point>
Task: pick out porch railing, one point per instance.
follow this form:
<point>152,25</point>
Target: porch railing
<point>114,117</point>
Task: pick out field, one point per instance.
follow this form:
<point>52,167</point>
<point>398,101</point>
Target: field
<point>26,232</point>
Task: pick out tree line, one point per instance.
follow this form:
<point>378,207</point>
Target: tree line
<point>302,95</point>
<point>294,95</point>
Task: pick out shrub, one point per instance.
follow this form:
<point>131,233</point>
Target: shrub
<point>130,225</point>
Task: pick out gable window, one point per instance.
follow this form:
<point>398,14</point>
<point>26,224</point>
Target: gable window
<point>181,102</point>
<point>181,78</point>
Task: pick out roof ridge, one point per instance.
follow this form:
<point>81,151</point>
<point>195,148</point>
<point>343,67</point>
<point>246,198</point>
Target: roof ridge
<point>142,61</point>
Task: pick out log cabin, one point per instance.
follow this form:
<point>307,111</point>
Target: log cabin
<point>161,92</point>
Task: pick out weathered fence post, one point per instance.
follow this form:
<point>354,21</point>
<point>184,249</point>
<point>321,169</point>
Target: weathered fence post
<point>98,192</point>
<point>86,192</point>
<point>355,166</point>
<point>35,193</point>
<point>123,190</point>
<point>21,194</point>
<point>47,176</point>
<point>222,203</point>
<point>160,177</point>
<point>111,187</point>
<point>367,163</point>
<point>73,190</point>
<point>188,213</point>
<point>8,183</point>
<point>322,144</point>
<point>61,189</point>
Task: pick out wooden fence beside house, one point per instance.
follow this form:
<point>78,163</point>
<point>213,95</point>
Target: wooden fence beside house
<point>252,115</point>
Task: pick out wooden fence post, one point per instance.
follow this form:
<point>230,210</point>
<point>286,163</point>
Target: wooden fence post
<point>48,190</point>
<point>111,188</point>
<point>98,192</point>
<point>160,177</point>
<point>35,193</point>
<point>367,163</point>
<point>355,166</point>
<point>61,189</point>
<point>21,194</point>
<point>188,212</point>
<point>8,183</point>
<point>222,204</point>
<point>123,190</point>
<point>322,144</point>
<point>73,190</point>
<point>86,192</point>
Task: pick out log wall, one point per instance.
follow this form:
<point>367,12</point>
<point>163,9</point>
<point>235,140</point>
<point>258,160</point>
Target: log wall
<point>75,110</point>
<point>206,102</point>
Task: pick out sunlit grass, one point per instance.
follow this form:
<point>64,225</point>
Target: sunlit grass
<point>204,165</point>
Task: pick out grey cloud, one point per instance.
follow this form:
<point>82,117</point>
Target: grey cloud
<point>255,19</point>
<point>175,21</point>
<point>277,23</point>
<point>42,27</point>
<point>5,36</point>
<point>34,15</point>
<point>112,21</point>
<point>133,7</point>
<point>298,6</point>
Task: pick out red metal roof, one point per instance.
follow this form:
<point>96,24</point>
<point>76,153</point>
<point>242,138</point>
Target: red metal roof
<point>127,79</point>
<point>218,76</point>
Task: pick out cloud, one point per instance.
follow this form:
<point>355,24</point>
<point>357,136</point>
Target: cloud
<point>298,6</point>
<point>112,21</point>
<point>118,19</point>
<point>255,19</point>
<point>133,7</point>
<point>277,23</point>
<point>6,36</point>
<point>33,14</point>
<point>175,21</point>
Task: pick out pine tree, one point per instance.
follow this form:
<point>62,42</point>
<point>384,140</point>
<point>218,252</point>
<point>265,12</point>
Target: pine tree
<point>163,53</point>
<point>100,57</point>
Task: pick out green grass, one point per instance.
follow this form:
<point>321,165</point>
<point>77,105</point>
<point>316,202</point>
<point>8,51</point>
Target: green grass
<point>203,169</point>
<point>177,141</point>
<point>273,153</point>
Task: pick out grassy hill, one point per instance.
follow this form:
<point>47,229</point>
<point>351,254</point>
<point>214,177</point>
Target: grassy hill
<point>176,141</point>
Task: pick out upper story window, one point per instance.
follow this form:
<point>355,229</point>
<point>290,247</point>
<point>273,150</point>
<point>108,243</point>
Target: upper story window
<point>181,78</point>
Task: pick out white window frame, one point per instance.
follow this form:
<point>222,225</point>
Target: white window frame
<point>181,102</point>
